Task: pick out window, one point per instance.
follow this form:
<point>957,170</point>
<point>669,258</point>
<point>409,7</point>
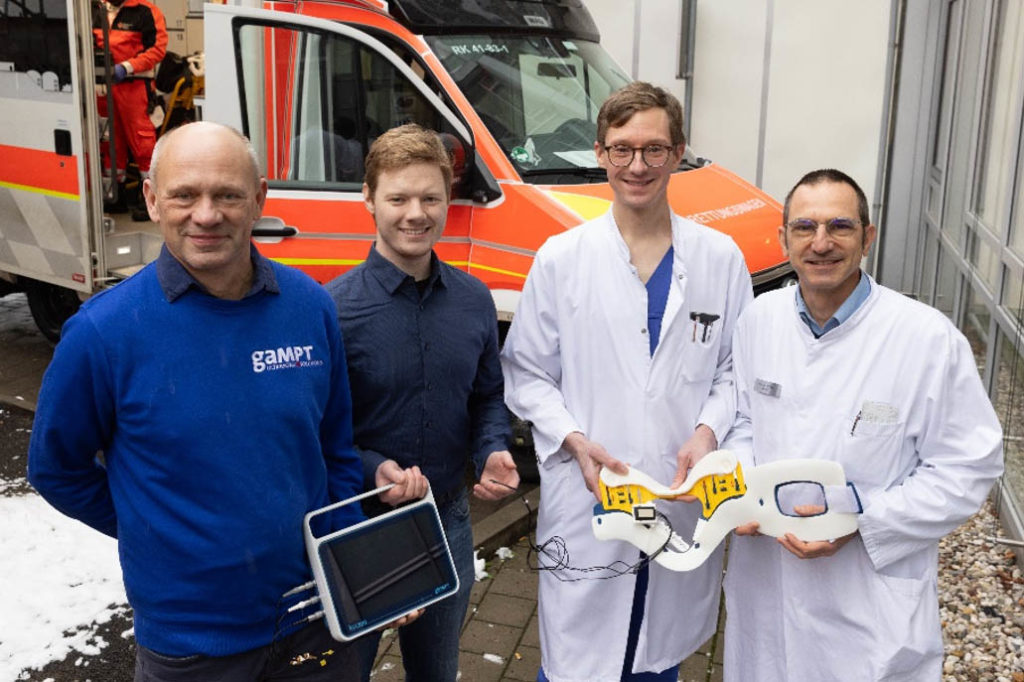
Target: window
<point>1017,230</point>
<point>984,258</point>
<point>975,323</point>
<point>949,68</point>
<point>1008,400</point>
<point>34,37</point>
<point>316,101</point>
<point>1013,294</point>
<point>538,96</point>
<point>996,153</point>
<point>945,286</point>
<point>926,286</point>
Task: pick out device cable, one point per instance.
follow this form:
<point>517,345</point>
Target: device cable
<point>556,550</point>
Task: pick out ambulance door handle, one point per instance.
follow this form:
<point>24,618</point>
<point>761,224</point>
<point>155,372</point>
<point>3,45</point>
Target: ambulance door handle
<point>286,231</point>
<point>62,142</point>
<point>271,226</point>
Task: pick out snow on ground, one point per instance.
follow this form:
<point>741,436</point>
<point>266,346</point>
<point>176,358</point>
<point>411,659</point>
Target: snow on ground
<point>56,575</point>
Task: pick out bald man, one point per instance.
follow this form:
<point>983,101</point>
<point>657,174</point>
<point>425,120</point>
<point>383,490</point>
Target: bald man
<point>213,386</point>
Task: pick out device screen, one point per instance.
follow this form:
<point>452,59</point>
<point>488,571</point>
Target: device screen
<point>381,571</point>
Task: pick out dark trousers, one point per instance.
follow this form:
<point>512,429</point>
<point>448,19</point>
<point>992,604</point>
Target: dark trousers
<point>309,655</point>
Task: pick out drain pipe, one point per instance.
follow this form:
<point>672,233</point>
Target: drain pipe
<point>889,108</point>
<point>637,13</point>
<point>762,132</point>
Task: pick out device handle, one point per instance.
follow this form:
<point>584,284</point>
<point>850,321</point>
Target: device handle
<point>306,526</point>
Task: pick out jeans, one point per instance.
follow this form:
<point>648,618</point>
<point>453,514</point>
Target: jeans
<point>430,644</point>
<point>319,659</point>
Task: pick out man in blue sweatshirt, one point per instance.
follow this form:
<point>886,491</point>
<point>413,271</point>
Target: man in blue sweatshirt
<point>196,412</point>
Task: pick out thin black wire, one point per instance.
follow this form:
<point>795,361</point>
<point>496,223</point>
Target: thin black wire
<point>560,554</point>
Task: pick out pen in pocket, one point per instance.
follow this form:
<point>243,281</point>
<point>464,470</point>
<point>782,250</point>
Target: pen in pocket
<point>855,420</point>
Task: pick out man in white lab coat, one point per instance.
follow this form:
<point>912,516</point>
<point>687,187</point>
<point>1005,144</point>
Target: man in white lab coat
<point>619,354</point>
<point>844,369</point>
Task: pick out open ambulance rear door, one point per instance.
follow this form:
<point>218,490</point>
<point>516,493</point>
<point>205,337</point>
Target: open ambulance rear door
<point>50,205</point>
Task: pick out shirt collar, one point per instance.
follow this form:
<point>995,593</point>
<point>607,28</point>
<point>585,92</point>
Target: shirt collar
<point>392,277</point>
<point>842,314</point>
<point>680,235</point>
<point>175,280</point>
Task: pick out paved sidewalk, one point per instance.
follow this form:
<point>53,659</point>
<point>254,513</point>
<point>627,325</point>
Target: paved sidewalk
<point>500,640</point>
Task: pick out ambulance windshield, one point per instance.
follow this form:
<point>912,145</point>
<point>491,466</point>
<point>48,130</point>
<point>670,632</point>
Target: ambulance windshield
<point>539,96</point>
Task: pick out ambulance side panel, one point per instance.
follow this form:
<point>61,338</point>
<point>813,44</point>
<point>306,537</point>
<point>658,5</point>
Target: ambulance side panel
<point>46,221</point>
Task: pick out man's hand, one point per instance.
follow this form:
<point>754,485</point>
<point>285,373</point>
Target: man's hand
<point>499,467</point>
<point>696,446</point>
<point>404,620</point>
<point>812,550</point>
<point>120,73</point>
<point>591,457</point>
<point>752,528</point>
<point>410,484</point>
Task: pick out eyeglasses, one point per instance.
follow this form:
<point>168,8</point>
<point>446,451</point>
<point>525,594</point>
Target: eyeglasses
<point>837,228</point>
<point>654,155</point>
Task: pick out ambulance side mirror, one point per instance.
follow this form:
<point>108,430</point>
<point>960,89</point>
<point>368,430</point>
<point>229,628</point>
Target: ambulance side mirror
<point>471,179</point>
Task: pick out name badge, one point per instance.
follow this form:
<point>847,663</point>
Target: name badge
<point>768,388</point>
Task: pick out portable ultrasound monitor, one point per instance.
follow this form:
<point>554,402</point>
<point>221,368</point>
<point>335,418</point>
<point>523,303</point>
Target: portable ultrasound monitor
<point>380,569</point>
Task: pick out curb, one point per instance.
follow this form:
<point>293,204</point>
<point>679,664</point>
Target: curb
<point>506,526</point>
<point>17,402</point>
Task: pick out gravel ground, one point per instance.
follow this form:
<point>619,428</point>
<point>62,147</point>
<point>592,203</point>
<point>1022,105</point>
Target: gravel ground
<point>981,599</point>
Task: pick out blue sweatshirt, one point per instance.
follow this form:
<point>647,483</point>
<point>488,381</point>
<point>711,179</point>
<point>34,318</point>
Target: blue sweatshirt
<point>221,423</point>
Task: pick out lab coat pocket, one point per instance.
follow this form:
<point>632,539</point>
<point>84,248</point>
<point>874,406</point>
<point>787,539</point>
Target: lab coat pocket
<point>705,328</point>
<point>909,637</point>
<point>869,451</point>
<point>698,361</point>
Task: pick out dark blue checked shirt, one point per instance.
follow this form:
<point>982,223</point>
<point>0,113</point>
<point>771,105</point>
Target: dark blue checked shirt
<point>427,388</point>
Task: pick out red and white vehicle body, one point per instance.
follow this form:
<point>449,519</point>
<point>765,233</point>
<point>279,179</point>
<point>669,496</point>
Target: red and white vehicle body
<point>514,86</point>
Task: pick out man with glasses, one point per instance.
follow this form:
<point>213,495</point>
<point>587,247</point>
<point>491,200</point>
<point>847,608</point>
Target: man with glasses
<point>841,368</point>
<point>619,355</point>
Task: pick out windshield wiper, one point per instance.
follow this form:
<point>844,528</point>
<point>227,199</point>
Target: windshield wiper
<point>575,171</point>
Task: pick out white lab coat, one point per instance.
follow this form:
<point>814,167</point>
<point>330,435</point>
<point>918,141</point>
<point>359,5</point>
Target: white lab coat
<point>577,358</point>
<point>923,453</point>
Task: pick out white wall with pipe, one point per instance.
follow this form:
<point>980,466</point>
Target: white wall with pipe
<point>780,87</point>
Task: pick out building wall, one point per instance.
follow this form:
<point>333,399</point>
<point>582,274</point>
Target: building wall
<point>779,88</point>
<point>729,73</point>
<point>654,56</point>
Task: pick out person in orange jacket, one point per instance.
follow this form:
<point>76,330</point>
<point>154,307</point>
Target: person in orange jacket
<point>138,42</point>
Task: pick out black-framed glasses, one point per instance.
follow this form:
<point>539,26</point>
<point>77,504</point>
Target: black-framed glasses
<point>837,228</point>
<point>654,155</point>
